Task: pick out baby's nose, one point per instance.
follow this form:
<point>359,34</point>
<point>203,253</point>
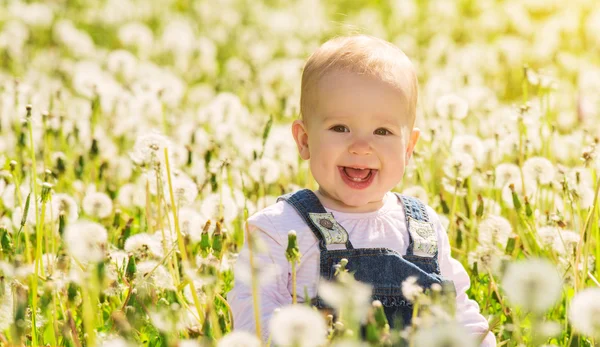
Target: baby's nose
<point>360,147</point>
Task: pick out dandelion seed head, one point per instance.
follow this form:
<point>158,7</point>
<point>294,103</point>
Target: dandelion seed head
<point>150,275</point>
<point>191,223</point>
<point>452,106</point>
<point>494,230</point>
<point>506,173</point>
<point>114,341</point>
<point>86,241</point>
<point>66,204</point>
<point>584,312</point>
<point>149,149</point>
<point>212,205</point>
<point>444,335</point>
<point>97,204</point>
<point>185,190</point>
<point>459,165</point>
<point>565,242</point>
<point>9,197</point>
<point>410,289</point>
<point>131,195</point>
<point>298,325</point>
<point>469,144</point>
<point>6,305</point>
<point>264,170</point>
<point>539,169</point>
<point>143,245</point>
<point>135,34</point>
<point>534,284</point>
<point>350,293</point>
<point>239,339</point>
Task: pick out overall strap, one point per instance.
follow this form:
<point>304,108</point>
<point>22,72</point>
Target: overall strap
<point>420,231</point>
<point>326,229</point>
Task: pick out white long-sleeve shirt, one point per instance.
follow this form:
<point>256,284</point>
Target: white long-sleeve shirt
<point>384,228</point>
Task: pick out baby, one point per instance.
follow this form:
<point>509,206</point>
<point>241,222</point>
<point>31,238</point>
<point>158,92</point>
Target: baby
<point>358,107</point>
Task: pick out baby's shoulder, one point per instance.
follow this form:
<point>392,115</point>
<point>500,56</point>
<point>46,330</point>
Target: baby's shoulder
<point>277,220</point>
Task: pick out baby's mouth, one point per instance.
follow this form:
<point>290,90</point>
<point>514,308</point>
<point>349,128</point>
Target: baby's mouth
<point>357,174</point>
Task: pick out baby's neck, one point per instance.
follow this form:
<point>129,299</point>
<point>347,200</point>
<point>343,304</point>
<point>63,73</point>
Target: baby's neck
<point>336,205</point>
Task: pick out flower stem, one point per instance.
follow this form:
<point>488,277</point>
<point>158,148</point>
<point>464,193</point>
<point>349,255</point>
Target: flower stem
<point>182,249</point>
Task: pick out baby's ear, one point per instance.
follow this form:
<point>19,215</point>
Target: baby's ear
<point>412,141</point>
<point>301,138</point>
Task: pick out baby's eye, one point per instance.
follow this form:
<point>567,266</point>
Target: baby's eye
<point>340,129</point>
<point>382,131</point>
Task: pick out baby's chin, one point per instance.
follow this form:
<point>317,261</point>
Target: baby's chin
<point>354,201</point>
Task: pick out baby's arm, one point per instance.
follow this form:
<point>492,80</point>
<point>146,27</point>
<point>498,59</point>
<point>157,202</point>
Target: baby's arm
<point>467,310</point>
<point>273,289</point>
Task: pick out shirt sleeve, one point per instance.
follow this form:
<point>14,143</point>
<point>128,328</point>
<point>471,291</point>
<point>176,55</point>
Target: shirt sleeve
<point>467,310</point>
<point>269,257</point>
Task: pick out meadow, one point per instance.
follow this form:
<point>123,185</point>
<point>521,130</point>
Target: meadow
<point>137,136</point>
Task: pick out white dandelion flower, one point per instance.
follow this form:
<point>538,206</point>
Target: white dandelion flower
<point>97,204</point>
<point>494,230</point>
<point>137,35</point>
<point>131,195</point>
<point>410,289</point>
<point>539,169</point>
<point>298,325</point>
<point>547,234</point>
<point>584,312</point>
<point>452,106</point>
<point>50,213</point>
<point>444,335</point>
<point>189,343</point>
<point>566,242</point>
<point>487,258</point>
<point>185,190</point>
<point>347,293</point>
<point>165,237</point>
<point>454,186</point>
<point>264,170</point>
<point>86,241</point>
<point>122,62</point>
<point>506,173</point>
<point>118,258</point>
<point>239,339</point>
<point>114,341</point>
<point>150,275</point>
<point>418,192</point>
<point>143,245</point>
<point>459,165</point>
<point>9,195</point>
<point>583,196</point>
<point>533,284</point>
<point>469,144</point>
<point>66,204</point>
<point>580,177</point>
<point>149,149</point>
<point>6,305</point>
<point>191,223</point>
<point>213,207</point>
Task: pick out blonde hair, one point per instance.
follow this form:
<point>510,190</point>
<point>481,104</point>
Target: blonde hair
<point>360,54</point>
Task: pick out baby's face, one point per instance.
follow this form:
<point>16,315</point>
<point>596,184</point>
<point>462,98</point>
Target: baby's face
<point>357,138</point>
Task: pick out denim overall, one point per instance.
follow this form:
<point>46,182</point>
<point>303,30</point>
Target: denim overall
<point>383,268</point>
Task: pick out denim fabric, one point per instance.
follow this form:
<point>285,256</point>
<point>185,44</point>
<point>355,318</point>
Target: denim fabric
<point>384,269</point>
